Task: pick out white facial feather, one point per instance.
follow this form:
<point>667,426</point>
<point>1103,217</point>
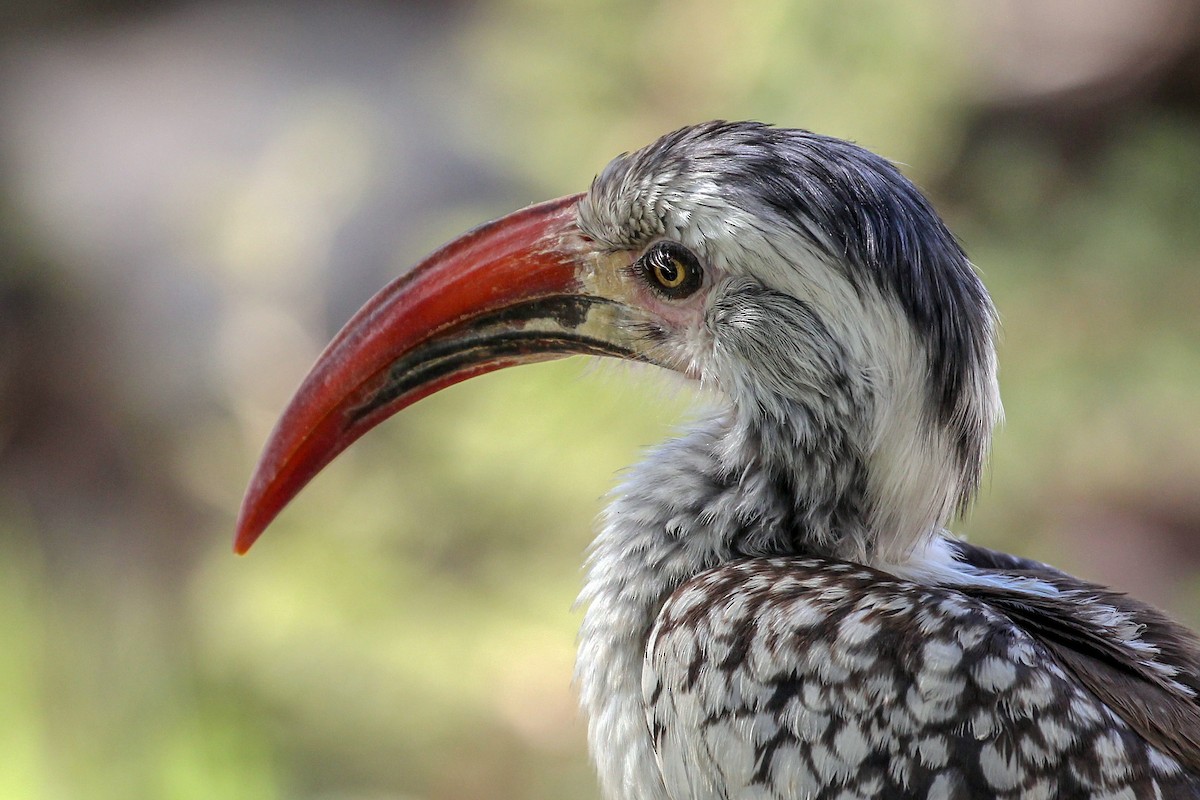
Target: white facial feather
<point>914,479</point>
<point>859,397</point>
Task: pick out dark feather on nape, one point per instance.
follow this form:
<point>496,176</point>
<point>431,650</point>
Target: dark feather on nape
<point>856,207</point>
<point>1164,709</point>
<point>994,560</point>
<point>884,231</point>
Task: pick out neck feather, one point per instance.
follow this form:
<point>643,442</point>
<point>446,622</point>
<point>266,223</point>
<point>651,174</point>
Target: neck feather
<point>778,483</point>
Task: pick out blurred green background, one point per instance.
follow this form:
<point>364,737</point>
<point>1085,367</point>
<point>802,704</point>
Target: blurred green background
<point>194,198</point>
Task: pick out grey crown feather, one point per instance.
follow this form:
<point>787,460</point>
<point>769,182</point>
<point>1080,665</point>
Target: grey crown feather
<point>730,649</point>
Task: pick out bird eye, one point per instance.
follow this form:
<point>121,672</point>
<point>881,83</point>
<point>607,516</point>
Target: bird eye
<point>672,269</point>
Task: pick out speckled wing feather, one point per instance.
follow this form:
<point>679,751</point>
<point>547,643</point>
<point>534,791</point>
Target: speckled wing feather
<point>812,678</point>
<point>1152,686</point>
<point>1152,682</point>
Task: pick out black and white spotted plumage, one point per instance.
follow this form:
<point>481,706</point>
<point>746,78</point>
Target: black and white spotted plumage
<point>798,677</point>
<point>774,609</point>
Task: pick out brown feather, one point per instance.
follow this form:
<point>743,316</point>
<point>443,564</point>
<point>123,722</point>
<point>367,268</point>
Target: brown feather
<point>1164,709</point>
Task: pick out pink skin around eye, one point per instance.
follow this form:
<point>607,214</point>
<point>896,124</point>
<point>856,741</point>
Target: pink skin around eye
<point>683,318</point>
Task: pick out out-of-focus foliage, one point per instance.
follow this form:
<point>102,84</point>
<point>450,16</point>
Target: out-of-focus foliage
<point>1097,280</point>
<point>405,630</point>
<point>577,88</point>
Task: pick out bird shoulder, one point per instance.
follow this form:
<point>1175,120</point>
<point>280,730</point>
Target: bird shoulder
<point>795,673</point>
<point>1136,660</point>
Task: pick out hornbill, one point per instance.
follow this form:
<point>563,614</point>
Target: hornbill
<point>774,608</point>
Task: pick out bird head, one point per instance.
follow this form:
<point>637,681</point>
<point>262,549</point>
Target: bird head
<point>801,277</point>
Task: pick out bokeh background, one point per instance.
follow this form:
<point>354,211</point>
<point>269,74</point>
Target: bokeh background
<point>195,195</point>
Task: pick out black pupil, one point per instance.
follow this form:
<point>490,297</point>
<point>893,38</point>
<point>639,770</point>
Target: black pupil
<point>672,270</point>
